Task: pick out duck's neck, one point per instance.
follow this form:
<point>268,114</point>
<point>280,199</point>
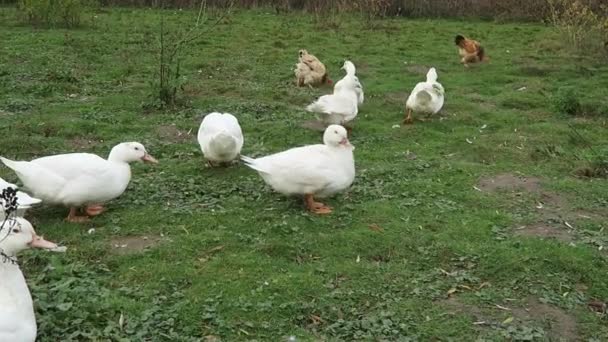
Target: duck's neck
<point>115,156</point>
<point>7,258</point>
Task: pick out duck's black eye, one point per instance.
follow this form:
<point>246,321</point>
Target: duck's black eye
<point>137,149</point>
<point>15,230</point>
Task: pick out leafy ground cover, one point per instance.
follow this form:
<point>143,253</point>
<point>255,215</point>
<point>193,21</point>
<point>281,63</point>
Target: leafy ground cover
<point>474,224</point>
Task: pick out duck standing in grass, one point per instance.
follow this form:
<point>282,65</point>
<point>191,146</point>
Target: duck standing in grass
<point>310,71</point>
<point>311,171</point>
<point>17,318</point>
<point>340,107</point>
<point>350,76</point>
<point>220,137</point>
<point>427,97</point>
<point>80,179</point>
<point>470,50</point>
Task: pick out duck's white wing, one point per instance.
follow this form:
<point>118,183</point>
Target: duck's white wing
<point>334,104</point>
<point>41,181</point>
<point>411,100</point>
<point>72,165</point>
<point>308,167</point>
<point>69,179</point>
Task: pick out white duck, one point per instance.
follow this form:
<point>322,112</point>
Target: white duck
<point>80,179</point>
<point>24,201</point>
<point>312,171</point>
<point>17,318</point>
<point>427,97</point>
<point>350,69</point>
<point>341,107</point>
<point>220,137</point>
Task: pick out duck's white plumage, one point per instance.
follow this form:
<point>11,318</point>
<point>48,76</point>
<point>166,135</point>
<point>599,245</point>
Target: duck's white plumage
<point>341,106</point>
<point>17,318</point>
<point>321,170</point>
<point>427,97</point>
<point>351,70</point>
<point>76,179</point>
<point>220,137</point>
<point>24,201</point>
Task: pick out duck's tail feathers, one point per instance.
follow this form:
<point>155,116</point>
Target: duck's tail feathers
<point>253,163</point>
<point>35,177</point>
<point>315,107</point>
<point>25,201</point>
<point>431,76</point>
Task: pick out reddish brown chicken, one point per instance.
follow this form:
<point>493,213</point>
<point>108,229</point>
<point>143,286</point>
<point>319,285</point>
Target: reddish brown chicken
<point>470,50</point>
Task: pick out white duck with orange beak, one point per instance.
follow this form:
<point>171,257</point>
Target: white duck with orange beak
<point>17,318</point>
<point>80,179</point>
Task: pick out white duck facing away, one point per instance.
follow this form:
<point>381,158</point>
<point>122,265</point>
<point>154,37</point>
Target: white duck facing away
<point>220,137</point>
<point>427,97</point>
<point>312,171</point>
<point>338,108</point>
<point>24,201</point>
<point>17,318</point>
<point>350,69</point>
<point>80,179</point>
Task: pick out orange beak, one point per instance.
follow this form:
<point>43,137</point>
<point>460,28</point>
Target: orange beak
<point>344,142</point>
<point>40,242</point>
<point>149,159</point>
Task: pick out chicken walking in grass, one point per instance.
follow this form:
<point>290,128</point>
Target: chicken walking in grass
<point>427,97</point>
<point>310,71</point>
<point>470,50</point>
<point>311,171</point>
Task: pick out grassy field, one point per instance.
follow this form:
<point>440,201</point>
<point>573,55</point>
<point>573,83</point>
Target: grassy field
<point>471,225</point>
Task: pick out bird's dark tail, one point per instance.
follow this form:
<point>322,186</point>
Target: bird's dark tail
<point>481,53</point>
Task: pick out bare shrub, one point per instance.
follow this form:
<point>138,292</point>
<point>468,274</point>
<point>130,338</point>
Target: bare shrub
<point>168,81</point>
<point>66,13</point>
<point>581,26</point>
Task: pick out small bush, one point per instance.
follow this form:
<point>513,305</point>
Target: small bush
<point>566,101</point>
<point>66,13</point>
<point>581,26</point>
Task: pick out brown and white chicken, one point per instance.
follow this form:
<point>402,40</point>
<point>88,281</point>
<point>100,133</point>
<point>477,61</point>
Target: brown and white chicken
<point>310,71</point>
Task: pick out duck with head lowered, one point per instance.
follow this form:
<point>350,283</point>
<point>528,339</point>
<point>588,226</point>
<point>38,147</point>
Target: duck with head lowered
<point>311,171</point>
<point>17,318</point>
<point>220,137</point>
<point>80,179</point>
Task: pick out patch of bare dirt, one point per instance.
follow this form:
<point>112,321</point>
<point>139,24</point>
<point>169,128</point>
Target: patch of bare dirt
<point>545,230</point>
<point>83,143</point>
<point>418,69</point>
<point>133,244</point>
<point>561,325</point>
<point>556,322</point>
<point>509,182</point>
<point>173,134</point>
<point>396,97</point>
<point>314,125</point>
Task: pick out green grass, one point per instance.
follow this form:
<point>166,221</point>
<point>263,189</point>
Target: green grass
<point>240,262</point>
